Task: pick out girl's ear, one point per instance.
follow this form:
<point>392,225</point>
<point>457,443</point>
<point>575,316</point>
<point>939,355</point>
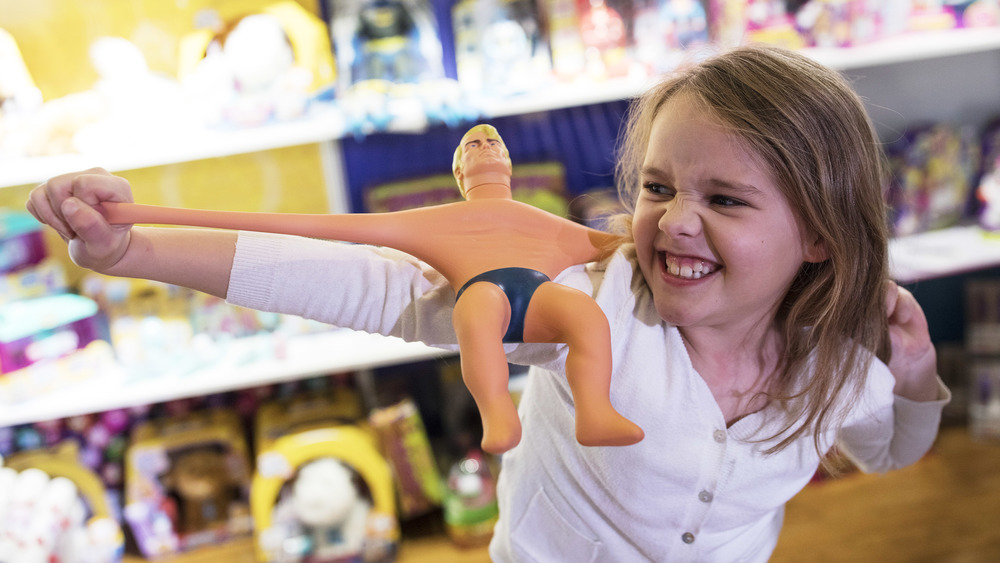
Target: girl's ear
<point>815,251</point>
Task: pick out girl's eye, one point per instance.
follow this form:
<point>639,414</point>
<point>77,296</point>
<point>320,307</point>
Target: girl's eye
<point>657,189</point>
<point>726,201</point>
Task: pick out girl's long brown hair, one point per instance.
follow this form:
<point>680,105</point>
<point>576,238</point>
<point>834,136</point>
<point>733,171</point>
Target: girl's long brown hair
<point>811,129</point>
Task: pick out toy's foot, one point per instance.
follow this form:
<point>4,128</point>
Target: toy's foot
<point>501,430</point>
<point>606,429</point>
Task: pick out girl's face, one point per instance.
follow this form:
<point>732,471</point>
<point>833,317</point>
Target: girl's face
<point>716,239</point>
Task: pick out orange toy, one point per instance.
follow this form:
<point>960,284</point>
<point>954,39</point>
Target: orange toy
<point>498,255</point>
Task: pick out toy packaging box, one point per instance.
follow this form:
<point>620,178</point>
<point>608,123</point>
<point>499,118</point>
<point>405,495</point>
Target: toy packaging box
<point>53,509</point>
<point>500,47</point>
<point>664,30</point>
<point>45,328</point>
<point>403,439</point>
<point>390,63</point>
<point>267,65</point>
<point>187,482</point>
<point>21,241</point>
<point>321,492</point>
<point>933,169</point>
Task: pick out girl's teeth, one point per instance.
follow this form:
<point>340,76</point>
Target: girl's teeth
<point>694,270</point>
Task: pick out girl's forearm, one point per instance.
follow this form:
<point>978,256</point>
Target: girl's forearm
<point>199,259</point>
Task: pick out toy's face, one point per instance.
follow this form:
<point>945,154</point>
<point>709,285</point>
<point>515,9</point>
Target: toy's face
<point>323,493</point>
<point>483,153</point>
<point>199,475</point>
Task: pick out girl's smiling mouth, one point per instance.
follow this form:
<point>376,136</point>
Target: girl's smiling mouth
<point>685,267</point>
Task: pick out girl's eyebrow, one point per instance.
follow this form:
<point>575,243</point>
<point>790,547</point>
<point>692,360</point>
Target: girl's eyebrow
<point>739,188</point>
<point>747,190</point>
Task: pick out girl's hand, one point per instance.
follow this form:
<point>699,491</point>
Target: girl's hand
<point>914,360</point>
<point>70,204</point>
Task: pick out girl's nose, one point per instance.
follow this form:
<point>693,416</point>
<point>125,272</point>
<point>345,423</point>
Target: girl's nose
<point>680,218</point>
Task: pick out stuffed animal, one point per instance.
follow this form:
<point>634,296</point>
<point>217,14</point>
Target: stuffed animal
<point>328,504</point>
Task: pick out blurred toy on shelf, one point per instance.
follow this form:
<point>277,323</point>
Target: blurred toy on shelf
<point>127,99</point>
<point>665,31</point>
<point>94,363</point>
<point>500,47</point>
<point>26,270</point>
<point>927,15</point>
<point>135,99</point>
<point>390,67</point>
<point>18,93</point>
<point>22,243</point>
<point>933,171</point>
<point>605,38</point>
<point>754,21</point>
<point>977,13</point>
<point>565,41</point>
<point>45,278</point>
<point>470,502</point>
<point>187,482</point>
<point>830,23</point>
<point>159,329</point>
<point>45,329</point>
<point>19,97</point>
<point>321,492</point>
<point>148,323</point>
<point>258,68</point>
<point>988,190</point>
<point>53,510</point>
<point>403,440</point>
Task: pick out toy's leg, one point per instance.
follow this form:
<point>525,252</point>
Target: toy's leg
<point>562,314</point>
<point>480,318</point>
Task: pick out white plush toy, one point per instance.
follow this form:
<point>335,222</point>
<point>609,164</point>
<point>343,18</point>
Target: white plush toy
<point>327,503</point>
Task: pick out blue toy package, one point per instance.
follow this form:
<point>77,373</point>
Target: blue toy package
<point>391,40</point>
<point>391,66</point>
<point>21,241</point>
<point>500,47</point>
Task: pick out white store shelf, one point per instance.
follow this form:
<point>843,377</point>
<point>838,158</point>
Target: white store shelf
<point>942,253</point>
<point>325,124</point>
<point>133,150</point>
<point>304,356</point>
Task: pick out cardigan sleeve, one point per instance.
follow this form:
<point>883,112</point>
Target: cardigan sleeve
<point>888,431</point>
<point>372,289</point>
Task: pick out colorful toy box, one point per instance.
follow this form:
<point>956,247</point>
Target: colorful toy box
<point>187,482</point>
<point>933,171</point>
<point>322,492</point>
<point>663,30</point>
<point>500,47</point>
<point>53,509</point>
<point>21,241</point>
<point>46,328</point>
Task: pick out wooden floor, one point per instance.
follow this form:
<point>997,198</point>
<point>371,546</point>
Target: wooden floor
<point>946,508</point>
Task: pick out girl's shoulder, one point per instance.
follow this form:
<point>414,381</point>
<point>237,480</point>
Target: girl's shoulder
<point>618,273</point>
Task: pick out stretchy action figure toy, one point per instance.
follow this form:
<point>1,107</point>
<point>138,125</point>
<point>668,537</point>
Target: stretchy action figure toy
<point>499,255</point>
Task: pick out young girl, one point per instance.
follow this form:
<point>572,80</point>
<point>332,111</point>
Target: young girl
<point>751,317</point>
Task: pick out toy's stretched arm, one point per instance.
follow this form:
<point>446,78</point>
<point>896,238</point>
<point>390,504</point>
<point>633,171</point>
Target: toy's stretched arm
<point>362,228</point>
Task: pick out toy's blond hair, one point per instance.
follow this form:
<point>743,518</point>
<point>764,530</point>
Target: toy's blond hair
<point>456,161</point>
